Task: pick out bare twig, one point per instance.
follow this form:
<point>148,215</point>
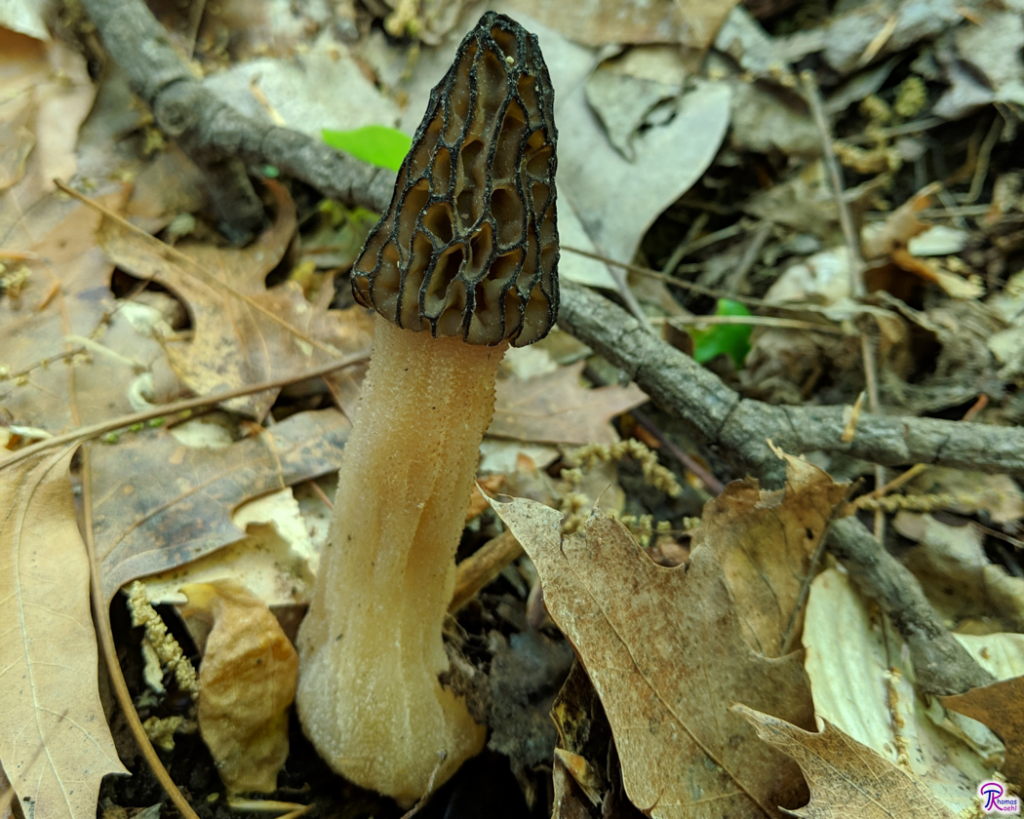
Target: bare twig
<point>752,321</point>
<point>206,127</point>
<point>654,274</point>
<point>856,261</point>
<point>737,428</point>
<point>750,254</point>
<point>984,155</point>
<point>836,178</point>
<point>481,567</point>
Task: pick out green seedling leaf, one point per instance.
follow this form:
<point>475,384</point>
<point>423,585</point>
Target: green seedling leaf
<point>376,144</point>
<point>733,339</point>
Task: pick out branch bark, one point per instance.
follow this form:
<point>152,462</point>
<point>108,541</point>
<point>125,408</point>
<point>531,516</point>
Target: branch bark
<point>216,136</point>
<point>738,428</point>
<point>941,664</point>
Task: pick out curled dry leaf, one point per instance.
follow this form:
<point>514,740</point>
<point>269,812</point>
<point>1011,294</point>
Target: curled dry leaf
<point>246,685</point>
<point>772,538</point>
<point>54,740</point>
<point>846,778</point>
<point>1001,707</point>
<point>666,651</point>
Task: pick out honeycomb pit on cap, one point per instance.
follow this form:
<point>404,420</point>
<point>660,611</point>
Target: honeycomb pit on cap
<point>467,252</point>
<point>469,245</point>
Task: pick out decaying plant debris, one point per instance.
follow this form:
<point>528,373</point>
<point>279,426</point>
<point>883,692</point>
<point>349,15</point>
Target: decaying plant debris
<point>789,360</point>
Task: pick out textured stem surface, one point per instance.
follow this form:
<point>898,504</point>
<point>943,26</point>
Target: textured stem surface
<point>371,647</point>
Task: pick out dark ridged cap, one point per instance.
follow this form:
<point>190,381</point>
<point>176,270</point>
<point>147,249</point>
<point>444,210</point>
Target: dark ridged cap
<point>469,246</point>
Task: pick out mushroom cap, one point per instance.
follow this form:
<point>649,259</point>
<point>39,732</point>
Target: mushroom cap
<point>469,246</point>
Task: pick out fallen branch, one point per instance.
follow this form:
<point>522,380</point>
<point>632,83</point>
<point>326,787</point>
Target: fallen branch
<point>738,428</point>
<point>215,135</point>
<point>942,666</point>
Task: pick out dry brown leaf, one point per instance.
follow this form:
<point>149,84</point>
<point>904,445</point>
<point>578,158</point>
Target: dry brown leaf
<point>239,339</point>
<point>67,292</point>
<point>692,24</point>
<point>246,685</point>
<point>556,408</point>
<point>1001,707</point>
<point>772,537</point>
<point>847,779</point>
<point>666,652</point>
<point>160,504</point>
<point>929,270</point>
<point>48,657</point>
<point>46,96</point>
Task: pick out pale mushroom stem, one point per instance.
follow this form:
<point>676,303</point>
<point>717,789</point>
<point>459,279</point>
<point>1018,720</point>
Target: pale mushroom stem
<point>371,644</point>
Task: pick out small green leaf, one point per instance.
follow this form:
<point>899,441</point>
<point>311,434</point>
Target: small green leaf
<point>733,339</point>
<point>271,171</point>
<point>377,144</point>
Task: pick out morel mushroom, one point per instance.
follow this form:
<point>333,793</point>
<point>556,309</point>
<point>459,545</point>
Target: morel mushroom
<point>463,264</point>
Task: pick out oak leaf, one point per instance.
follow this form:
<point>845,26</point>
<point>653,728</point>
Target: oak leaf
<point>160,504</point>
<point>243,332</point>
<point>556,408</point>
<point>54,740</point>
<point>1001,707</point>
<point>666,651</point>
<point>846,778</point>
<point>64,298</point>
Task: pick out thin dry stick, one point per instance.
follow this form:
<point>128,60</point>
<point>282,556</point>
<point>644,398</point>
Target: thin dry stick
<point>288,810</point>
<point>855,259</point>
<point>481,567</point>
<point>984,155</point>
<point>654,274</point>
<point>101,612</point>
<point>696,226</point>
<point>898,481</point>
<point>835,177</point>
<point>442,756</point>
<point>750,255</point>
<point>95,430</point>
<point>879,41</point>
<point>205,275</point>
<point>761,321</point>
<point>705,476</point>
